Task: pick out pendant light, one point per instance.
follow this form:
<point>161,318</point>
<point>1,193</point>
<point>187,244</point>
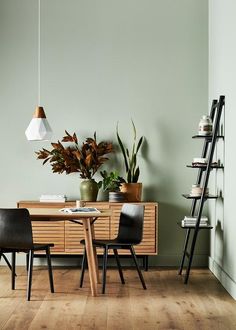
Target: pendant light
<point>39,128</point>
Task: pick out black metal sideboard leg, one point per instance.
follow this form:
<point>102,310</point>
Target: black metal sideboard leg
<point>145,263</point>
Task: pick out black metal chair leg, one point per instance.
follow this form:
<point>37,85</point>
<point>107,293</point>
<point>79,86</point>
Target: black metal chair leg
<point>30,270</point>
<point>13,270</point>
<point>137,267</point>
<point>7,261</point>
<point>50,269</point>
<point>83,265</point>
<point>104,272</point>
<point>119,266</point>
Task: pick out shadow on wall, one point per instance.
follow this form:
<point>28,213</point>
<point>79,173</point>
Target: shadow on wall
<point>219,227</point>
<point>219,242</point>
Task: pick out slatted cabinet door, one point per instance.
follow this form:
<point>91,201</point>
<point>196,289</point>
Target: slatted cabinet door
<point>149,242</point>
<point>74,232</point>
<point>50,232</point>
<point>73,235</point>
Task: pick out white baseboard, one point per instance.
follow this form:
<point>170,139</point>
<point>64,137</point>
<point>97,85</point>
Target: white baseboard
<point>227,282</point>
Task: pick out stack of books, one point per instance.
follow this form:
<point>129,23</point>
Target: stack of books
<point>199,161</point>
<point>53,198</point>
<point>189,221</point>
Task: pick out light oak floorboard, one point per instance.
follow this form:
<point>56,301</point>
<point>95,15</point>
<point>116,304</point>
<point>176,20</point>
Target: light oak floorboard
<point>166,304</point>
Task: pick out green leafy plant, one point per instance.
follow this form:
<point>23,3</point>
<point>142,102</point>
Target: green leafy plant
<point>130,156</point>
<point>111,181</point>
<point>85,160</point>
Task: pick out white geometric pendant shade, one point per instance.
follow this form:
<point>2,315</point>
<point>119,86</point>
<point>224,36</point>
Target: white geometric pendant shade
<point>39,128</point>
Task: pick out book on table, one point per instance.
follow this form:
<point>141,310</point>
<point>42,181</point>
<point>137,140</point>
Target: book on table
<point>80,210</point>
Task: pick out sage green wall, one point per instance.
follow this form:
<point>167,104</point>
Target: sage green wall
<point>222,80</point>
<point>102,62</point>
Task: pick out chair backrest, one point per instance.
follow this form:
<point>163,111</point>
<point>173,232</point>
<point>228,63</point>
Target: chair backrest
<point>15,229</point>
<point>131,224</point>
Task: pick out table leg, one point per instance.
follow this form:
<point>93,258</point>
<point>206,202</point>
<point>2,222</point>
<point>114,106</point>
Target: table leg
<point>90,255</point>
<point>95,253</point>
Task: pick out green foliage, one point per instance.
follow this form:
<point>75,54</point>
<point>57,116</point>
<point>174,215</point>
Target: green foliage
<point>85,159</point>
<point>111,181</point>
<point>130,157</point>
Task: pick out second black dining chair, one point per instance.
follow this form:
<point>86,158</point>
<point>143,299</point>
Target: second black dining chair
<point>16,236</point>
<point>130,233</point>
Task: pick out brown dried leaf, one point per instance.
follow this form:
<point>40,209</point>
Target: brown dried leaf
<point>45,161</point>
<point>75,138</point>
<point>88,160</point>
<point>77,154</point>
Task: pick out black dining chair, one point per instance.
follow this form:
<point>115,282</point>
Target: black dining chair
<point>16,236</point>
<point>130,233</point>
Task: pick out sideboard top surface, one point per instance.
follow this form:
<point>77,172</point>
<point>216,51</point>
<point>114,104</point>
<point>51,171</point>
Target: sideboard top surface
<point>74,201</point>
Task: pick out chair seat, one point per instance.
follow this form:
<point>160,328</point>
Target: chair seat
<point>109,242</point>
<point>36,247</point>
<point>40,246</point>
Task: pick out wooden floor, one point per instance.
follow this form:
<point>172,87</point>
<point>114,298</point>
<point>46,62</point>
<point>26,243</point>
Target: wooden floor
<point>166,304</point>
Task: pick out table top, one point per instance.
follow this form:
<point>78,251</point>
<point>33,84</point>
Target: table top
<point>56,214</point>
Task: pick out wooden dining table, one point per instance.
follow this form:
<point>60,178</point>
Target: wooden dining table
<point>86,219</point>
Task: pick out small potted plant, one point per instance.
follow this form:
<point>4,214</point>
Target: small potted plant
<point>85,160</point>
<point>132,188</point>
<point>111,183</point>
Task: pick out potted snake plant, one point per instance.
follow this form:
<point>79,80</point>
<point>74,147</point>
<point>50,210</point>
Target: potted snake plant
<point>132,188</point>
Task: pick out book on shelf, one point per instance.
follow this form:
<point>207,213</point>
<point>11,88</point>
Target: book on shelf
<point>80,210</point>
<point>186,224</point>
<point>191,221</point>
<point>53,198</point>
<point>203,218</point>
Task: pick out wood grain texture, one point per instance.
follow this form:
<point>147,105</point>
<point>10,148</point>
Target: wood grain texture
<point>166,304</point>
<point>74,234</point>
<point>91,256</point>
<point>50,232</point>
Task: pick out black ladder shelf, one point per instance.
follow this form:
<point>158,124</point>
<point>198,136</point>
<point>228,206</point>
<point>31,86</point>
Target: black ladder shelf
<point>202,180</point>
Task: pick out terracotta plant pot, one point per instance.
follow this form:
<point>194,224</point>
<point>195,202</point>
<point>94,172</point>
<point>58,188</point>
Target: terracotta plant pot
<point>132,191</point>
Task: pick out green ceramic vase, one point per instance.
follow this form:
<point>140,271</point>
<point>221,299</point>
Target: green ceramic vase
<point>88,190</point>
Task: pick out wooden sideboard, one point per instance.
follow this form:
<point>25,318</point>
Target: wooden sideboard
<point>66,235</point>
